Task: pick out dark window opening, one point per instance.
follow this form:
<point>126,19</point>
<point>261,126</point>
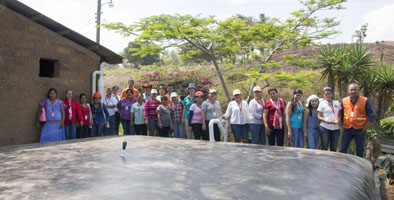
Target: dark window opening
<point>48,68</point>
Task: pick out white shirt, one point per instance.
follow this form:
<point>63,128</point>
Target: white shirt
<point>326,110</point>
<point>117,98</point>
<point>109,102</point>
<point>234,111</point>
<point>256,110</point>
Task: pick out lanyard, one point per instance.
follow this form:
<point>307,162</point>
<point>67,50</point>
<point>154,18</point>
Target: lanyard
<point>107,100</point>
<point>332,107</point>
<point>213,105</point>
<point>299,108</point>
<point>351,104</point>
<point>139,107</point>
<point>52,105</point>
<point>240,107</point>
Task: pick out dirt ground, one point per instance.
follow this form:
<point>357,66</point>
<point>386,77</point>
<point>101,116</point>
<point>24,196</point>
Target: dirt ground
<point>390,191</point>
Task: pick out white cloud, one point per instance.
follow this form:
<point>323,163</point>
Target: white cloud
<point>380,24</point>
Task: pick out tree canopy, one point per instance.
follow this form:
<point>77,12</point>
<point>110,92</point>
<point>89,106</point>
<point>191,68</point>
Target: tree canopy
<point>235,38</point>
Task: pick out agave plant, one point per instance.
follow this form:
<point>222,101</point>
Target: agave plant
<point>385,88</point>
<point>330,58</point>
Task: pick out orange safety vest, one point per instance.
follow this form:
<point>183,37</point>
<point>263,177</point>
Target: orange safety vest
<point>359,118</point>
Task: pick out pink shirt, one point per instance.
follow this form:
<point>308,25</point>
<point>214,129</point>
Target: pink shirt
<point>197,114</point>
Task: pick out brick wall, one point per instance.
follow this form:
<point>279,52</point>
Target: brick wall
<point>22,44</point>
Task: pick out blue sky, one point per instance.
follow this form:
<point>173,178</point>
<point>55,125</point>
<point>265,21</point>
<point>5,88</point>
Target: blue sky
<point>79,15</point>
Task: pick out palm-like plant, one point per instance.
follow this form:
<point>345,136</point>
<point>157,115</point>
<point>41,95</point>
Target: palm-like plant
<point>330,57</point>
<point>344,75</point>
<point>385,88</point>
<point>361,59</point>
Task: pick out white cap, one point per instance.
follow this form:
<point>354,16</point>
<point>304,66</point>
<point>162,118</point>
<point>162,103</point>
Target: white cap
<point>173,95</point>
<point>257,88</point>
<point>310,99</point>
<point>153,91</point>
<point>212,91</point>
<point>236,91</point>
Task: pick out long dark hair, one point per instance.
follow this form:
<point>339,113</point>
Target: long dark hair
<point>293,102</point>
<point>310,106</point>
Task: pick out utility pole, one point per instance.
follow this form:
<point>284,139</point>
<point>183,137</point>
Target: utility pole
<point>98,21</point>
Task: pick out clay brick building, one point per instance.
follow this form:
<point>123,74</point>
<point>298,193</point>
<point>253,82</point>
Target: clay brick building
<point>37,53</point>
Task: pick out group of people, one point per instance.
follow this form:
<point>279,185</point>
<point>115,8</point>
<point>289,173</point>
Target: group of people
<point>164,113</point>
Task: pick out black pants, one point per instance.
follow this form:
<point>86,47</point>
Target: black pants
<point>117,122</point>
<point>216,131</point>
<point>83,132</point>
<point>140,129</point>
<point>164,131</point>
<point>198,132</point>
<point>278,134</point>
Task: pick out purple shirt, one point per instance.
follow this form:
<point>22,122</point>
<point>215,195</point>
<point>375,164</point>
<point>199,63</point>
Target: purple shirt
<point>197,114</point>
<point>125,108</point>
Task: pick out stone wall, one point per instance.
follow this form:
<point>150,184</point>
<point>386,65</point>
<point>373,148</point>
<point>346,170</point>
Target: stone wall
<point>22,43</point>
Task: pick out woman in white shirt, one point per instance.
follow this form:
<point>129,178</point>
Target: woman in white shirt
<point>238,110</point>
<point>329,115</point>
<point>110,103</point>
<point>256,109</point>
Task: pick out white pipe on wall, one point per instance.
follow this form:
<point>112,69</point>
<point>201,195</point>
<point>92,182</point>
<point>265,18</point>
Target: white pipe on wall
<point>100,85</point>
<point>222,124</point>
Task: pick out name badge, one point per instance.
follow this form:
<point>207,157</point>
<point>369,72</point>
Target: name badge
<point>214,114</point>
<point>299,116</point>
<point>352,114</point>
<point>127,107</point>
<point>86,117</point>
<point>52,114</point>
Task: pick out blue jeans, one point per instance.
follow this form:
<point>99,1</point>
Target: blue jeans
<point>313,138</point>
<point>298,137</point>
<point>240,131</point>
<point>258,133</point>
<point>111,130</point>
<point>179,130</point>
<point>359,137</point>
<point>97,129</point>
<point>127,128</point>
<point>70,131</point>
<point>329,136</point>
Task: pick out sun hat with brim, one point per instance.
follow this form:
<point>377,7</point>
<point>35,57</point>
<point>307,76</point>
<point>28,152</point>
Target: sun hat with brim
<point>173,95</point>
<point>192,85</point>
<point>257,88</point>
<point>153,91</point>
<point>310,99</point>
<point>236,91</point>
<point>199,94</point>
<point>212,91</point>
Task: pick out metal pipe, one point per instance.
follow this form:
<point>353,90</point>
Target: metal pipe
<point>222,124</point>
<point>100,85</point>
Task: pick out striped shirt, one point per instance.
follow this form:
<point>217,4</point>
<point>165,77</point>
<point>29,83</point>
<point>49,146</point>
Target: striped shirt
<point>150,109</point>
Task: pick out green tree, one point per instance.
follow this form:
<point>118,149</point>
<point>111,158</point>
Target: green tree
<point>301,29</point>
<point>130,52</point>
<point>225,40</point>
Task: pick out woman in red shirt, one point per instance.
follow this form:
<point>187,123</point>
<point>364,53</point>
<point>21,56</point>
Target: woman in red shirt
<point>84,130</point>
<point>72,116</point>
<point>274,120</point>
